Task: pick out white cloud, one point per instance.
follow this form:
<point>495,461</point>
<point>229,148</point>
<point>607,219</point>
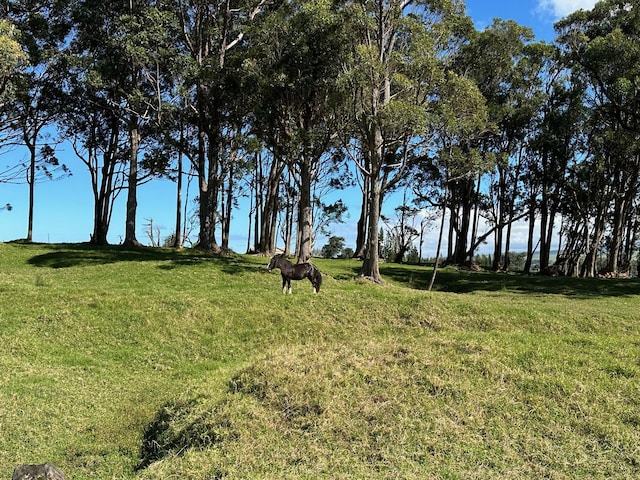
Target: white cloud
<point>562,8</point>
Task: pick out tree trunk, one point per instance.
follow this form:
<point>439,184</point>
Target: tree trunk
<point>363,222</point>
<point>288,223</point>
<point>590,264</point>
<point>544,226</point>
<point>203,177</point>
<point>530,249</point>
<point>616,235</point>
<point>500,214</point>
<point>464,189</point>
<point>453,220</point>
<point>476,215</point>
<point>208,152</point>
<point>101,219</point>
<point>31,181</point>
<point>213,191</point>
<point>250,220</point>
<point>269,214</point>
<point>509,218</point>
<point>305,214</point>
<point>132,186</point>
<point>102,181</point>
<point>370,265</point>
<point>631,239</point>
<point>228,208</point>
<point>259,201</point>
<point>507,246</point>
<point>439,247</point>
<point>497,247</point>
<point>177,238</point>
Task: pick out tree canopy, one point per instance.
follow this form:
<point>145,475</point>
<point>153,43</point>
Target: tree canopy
<point>282,102</point>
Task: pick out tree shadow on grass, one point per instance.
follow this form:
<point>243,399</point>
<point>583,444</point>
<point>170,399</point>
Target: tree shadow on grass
<point>238,264</point>
<point>411,276</point>
<point>464,281</point>
<point>85,255</point>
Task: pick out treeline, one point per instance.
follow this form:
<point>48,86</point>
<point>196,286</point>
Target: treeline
<point>283,100</point>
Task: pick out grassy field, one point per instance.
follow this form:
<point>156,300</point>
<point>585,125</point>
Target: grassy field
<point>151,364</point>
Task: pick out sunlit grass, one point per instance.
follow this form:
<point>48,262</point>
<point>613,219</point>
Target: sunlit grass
<point>191,366</point>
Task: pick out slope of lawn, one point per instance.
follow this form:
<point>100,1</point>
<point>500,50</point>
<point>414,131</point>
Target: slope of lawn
<point>155,364</point>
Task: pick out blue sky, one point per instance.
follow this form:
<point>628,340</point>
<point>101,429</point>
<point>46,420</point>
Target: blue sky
<point>64,208</point>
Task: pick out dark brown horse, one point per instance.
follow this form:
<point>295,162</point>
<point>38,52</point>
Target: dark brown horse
<point>289,272</point>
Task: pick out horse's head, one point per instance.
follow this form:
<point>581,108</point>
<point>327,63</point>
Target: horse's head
<point>273,263</point>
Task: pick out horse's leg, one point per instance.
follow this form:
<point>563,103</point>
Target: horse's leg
<point>289,285</point>
<point>312,278</point>
<point>284,284</point>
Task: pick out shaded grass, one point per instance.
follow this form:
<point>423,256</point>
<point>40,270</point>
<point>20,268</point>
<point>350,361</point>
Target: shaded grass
<point>465,281</point>
<point>198,367</point>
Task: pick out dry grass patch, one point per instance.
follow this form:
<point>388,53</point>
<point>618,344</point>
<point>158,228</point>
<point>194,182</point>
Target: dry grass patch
<point>425,408</point>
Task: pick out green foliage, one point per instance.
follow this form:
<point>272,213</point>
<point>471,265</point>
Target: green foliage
<point>330,213</point>
<point>12,58</point>
<point>11,53</point>
<point>413,256</point>
<point>333,248</point>
<point>484,260</point>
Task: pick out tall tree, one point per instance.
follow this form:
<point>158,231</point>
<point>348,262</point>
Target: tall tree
<point>602,46</point>
<point>98,140</point>
<point>13,60</point>
<point>44,28</point>
<point>461,120</point>
<point>401,50</point>
<point>144,51</point>
<point>210,32</point>
<point>552,151</point>
<point>507,69</point>
<point>93,107</point>
<point>305,44</point>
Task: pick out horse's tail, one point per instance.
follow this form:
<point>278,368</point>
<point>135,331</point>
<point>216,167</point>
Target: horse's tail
<point>316,277</point>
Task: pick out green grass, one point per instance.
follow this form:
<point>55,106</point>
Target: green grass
<point>151,364</point>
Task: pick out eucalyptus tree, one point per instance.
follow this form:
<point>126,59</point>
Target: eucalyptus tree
<point>625,182</point>
<point>454,162</point>
<point>211,32</point>
<point>267,179</point>
<point>402,48</point>
<point>601,213</point>
<point>95,131</point>
<point>299,51</point>
<point>237,164</point>
<point>144,52</point>
<point>556,145</point>
<point>92,119</point>
<point>35,112</point>
<point>115,60</point>
<point>602,47</point>
<point>507,68</point>
<point>171,155</point>
<point>591,196</point>
<point>44,27</point>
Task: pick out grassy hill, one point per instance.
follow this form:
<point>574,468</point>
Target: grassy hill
<point>151,364</point>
